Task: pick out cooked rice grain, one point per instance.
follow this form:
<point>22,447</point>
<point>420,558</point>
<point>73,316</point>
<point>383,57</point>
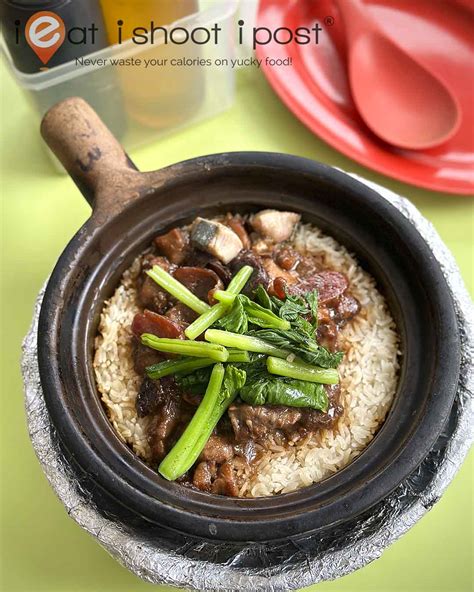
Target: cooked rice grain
<point>369,375</point>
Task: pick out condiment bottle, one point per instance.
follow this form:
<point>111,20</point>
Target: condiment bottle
<point>100,87</point>
<point>16,13</point>
<point>165,95</point>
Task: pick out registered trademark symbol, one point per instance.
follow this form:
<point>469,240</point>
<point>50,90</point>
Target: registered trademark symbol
<point>329,20</point>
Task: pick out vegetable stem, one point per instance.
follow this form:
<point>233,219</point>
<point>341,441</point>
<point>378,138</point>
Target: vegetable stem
<point>237,283</point>
<point>224,296</point>
<point>177,289</point>
<point>187,365</point>
<point>236,355</point>
<point>197,349</point>
<point>209,317</point>
<point>186,451</point>
<point>302,371</point>
<point>183,366</point>
<point>244,342</point>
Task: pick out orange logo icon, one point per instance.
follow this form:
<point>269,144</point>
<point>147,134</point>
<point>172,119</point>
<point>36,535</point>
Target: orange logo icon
<point>45,33</point>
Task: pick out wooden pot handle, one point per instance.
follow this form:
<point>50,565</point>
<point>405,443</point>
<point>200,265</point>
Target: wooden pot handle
<point>91,155</point>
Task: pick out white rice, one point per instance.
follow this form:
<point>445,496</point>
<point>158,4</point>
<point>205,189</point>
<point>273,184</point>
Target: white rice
<point>369,376</point>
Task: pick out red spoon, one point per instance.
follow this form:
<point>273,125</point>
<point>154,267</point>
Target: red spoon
<point>398,99</point>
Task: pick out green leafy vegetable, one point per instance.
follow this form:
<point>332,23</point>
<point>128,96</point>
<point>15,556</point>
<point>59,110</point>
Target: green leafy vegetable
<point>245,342</point>
<point>197,349</point>
<point>302,371</point>
<point>209,317</point>
<point>177,289</point>
<point>224,296</point>
<point>297,342</point>
<point>177,366</point>
<point>187,365</point>
<point>268,390</point>
<point>221,391</point>
<point>236,319</point>
<point>263,298</point>
<point>292,307</point>
<point>245,311</point>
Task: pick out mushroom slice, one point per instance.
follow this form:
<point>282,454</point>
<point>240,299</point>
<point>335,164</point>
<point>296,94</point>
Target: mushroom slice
<point>275,225</point>
<point>216,239</point>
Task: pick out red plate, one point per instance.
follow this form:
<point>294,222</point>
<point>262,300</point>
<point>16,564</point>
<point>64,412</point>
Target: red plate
<point>315,87</point>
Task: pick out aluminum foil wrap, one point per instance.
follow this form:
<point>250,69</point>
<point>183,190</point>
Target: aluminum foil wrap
<point>162,557</point>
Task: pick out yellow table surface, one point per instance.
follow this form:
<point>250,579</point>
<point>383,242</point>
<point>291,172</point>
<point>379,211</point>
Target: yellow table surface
<point>41,548</point>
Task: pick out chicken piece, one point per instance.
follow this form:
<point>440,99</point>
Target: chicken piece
<point>275,225</point>
<point>174,245</point>
<point>216,239</point>
<point>162,426</point>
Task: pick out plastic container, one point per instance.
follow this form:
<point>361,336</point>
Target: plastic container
<point>153,98</point>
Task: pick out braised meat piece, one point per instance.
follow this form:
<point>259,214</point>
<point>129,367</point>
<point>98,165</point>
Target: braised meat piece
<point>153,394</point>
<point>149,398</point>
<point>201,282</point>
<point>204,474</point>
<point>162,426</point>
<point>208,476</point>
<point>329,284</point>
<point>287,258</point>
<point>168,420</point>
<point>236,224</point>
<point>156,324</point>
<point>217,449</point>
<point>181,315</point>
<point>225,482</point>
<point>259,276</point>
<point>174,245</point>
<point>144,356</point>
<point>150,295</point>
<point>259,422</point>
<point>346,308</point>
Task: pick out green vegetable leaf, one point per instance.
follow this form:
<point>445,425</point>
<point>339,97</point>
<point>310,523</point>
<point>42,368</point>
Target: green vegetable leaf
<point>236,321</point>
<point>244,312</point>
<point>291,393</point>
<point>292,307</point>
<point>298,343</point>
<point>234,380</point>
<point>195,382</point>
<point>312,300</point>
<point>263,298</point>
<point>220,392</point>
